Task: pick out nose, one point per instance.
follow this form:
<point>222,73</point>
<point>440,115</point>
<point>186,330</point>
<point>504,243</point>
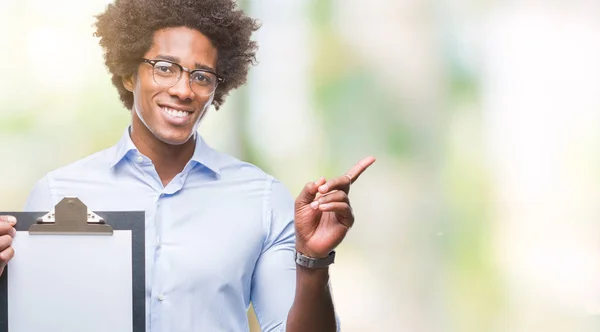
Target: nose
<point>182,88</point>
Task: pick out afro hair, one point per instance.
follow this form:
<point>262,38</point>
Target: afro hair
<point>126,31</point>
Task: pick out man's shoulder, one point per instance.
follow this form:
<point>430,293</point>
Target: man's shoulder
<point>69,180</point>
<point>232,167</point>
<point>91,163</point>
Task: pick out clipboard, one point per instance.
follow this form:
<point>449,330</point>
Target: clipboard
<point>75,270</point>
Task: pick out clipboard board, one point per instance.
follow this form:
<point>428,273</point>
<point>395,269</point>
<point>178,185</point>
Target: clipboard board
<point>75,270</point>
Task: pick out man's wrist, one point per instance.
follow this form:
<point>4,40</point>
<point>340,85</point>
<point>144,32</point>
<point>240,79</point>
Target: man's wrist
<point>309,253</point>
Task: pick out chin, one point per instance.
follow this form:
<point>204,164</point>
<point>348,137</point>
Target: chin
<point>177,139</point>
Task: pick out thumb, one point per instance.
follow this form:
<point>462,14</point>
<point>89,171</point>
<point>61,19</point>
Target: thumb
<point>9,219</point>
<point>308,193</point>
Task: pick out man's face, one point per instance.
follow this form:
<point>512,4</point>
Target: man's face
<point>171,113</point>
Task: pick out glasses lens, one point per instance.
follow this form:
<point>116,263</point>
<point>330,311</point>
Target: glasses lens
<point>166,73</point>
<point>203,83</point>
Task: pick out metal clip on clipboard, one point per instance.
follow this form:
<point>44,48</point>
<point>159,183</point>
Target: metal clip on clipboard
<point>71,217</point>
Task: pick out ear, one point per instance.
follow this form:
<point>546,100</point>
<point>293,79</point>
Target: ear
<point>128,82</point>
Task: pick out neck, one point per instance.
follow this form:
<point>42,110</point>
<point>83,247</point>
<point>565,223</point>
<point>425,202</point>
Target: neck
<point>169,160</point>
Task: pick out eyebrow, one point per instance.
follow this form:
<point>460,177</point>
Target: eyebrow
<point>177,60</point>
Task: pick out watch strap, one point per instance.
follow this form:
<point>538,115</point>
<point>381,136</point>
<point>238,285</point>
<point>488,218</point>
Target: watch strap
<point>315,263</point>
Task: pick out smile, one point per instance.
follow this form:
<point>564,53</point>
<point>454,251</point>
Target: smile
<point>176,113</point>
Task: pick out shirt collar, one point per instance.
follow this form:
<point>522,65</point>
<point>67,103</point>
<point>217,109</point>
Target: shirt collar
<point>203,154</point>
<point>124,145</point>
<point>206,156</point>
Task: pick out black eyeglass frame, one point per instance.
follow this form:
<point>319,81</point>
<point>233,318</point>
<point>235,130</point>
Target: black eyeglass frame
<point>182,68</point>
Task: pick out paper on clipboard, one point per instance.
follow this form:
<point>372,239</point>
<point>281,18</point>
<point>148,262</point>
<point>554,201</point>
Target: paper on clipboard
<point>74,274</point>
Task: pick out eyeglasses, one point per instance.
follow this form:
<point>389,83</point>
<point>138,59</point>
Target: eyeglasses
<point>166,73</point>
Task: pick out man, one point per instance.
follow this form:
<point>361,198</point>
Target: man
<point>220,233</point>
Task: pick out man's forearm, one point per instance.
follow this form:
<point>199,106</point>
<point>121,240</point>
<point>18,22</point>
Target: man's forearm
<point>312,309</point>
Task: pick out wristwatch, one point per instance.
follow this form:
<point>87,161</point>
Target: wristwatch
<point>315,263</point>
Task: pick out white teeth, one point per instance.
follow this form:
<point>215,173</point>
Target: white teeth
<point>175,113</point>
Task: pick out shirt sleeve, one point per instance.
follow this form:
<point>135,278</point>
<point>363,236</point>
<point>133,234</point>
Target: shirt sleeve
<point>274,279</point>
<point>40,198</point>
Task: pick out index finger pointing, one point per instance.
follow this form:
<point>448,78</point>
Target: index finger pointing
<point>360,167</point>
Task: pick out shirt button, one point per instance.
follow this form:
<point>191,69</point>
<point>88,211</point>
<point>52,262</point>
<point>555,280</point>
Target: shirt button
<point>139,159</point>
<point>161,297</point>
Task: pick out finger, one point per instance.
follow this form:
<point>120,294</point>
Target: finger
<point>319,195</point>
<point>309,192</point>
<point>343,209</point>
<point>336,196</point>
<point>339,183</point>
<point>6,255</point>
<point>6,228</point>
<point>5,242</point>
<point>319,198</point>
<point>318,183</point>
<point>360,167</point>
<point>9,219</point>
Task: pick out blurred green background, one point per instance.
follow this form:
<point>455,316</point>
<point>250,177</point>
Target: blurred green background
<point>481,213</point>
